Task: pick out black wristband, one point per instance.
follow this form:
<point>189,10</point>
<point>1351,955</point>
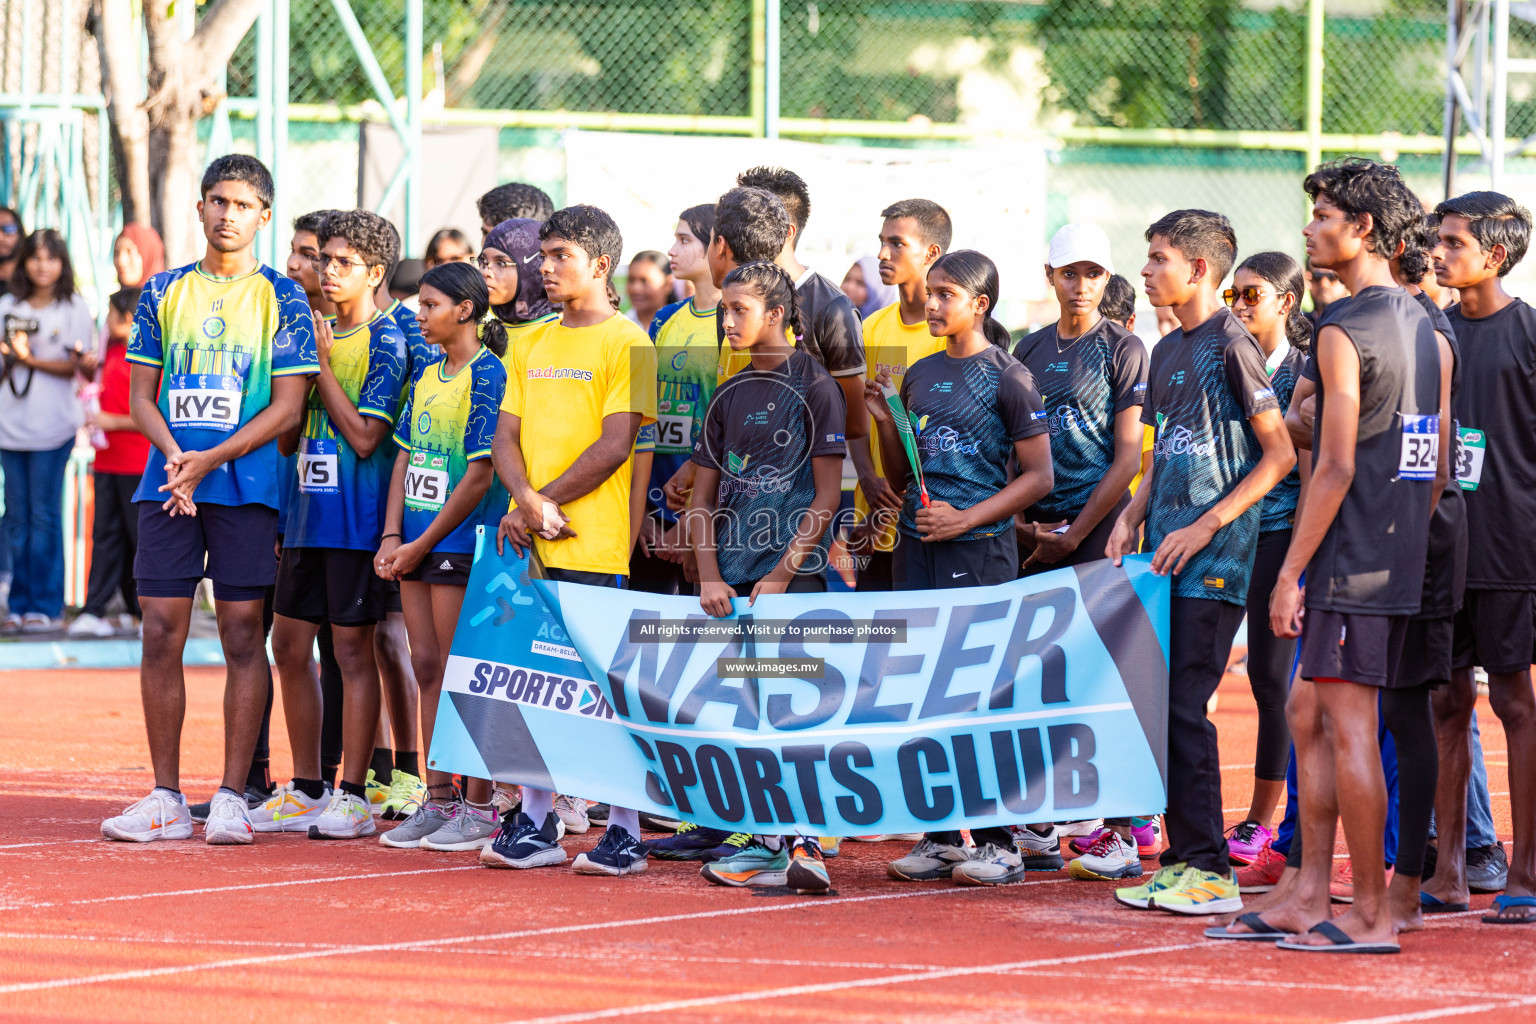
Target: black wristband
<point>389,535</point>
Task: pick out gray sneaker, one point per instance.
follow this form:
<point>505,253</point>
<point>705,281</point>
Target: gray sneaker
<point>1487,868</point>
<point>427,819</point>
<point>928,861</point>
<point>470,828</point>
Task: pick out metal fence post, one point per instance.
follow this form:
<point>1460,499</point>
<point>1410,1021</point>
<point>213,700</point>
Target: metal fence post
<point>758,85</point>
<point>413,55</point>
<point>771,58</point>
<point>1314,83</point>
<point>279,97</point>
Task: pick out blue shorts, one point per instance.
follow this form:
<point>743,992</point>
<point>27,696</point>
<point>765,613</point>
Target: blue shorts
<point>235,546</point>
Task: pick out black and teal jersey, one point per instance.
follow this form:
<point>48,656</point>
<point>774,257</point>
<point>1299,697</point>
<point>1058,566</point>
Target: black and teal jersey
<point>1278,509</point>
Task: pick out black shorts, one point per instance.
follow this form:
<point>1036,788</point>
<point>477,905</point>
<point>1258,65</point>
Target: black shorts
<point>1497,630</point>
<point>392,605</point>
<point>335,585</point>
<point>800,583</point>
<point>943,564</point>
<point>1445,570</point>
<point>1427,651</point>
<point>447,567</point>
<point>1364,649</point>
<point>1092,547</point>
<point>235,546</point>
<point>590,579</point>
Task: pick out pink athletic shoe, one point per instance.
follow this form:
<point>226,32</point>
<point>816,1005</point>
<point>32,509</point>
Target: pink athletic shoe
<point>1082,844</point>
<point>1245,840</point>
<point>1149,839</point>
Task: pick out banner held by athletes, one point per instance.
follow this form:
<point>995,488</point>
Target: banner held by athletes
<point>1044,699</point>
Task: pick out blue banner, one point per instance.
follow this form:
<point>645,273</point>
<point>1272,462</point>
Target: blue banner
<point>1044,699</point>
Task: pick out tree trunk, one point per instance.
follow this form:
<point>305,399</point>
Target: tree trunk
<point>118,46</point>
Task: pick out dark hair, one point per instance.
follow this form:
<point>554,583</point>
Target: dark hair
<point>372,236</point>
<point>442,235</point>
<point>788,186</point>
<point>312,220</point>
<point>15,217</point>
<point>594,231</point>
<point>1359,187</point>
<point>125,300</point>
<point>978,275</point>
<point>1415,263</point>
<point>933,224</point>
<point>1119,300</point>
<point>771,283</point>
<point>461,282</point>
<point>514,200</point>
<point>656,259</point>
<point>1200,235</point>
<point>700,220</point>
<point>240,167</point>
<point>1285,274</point>
<point>51,240</point>
<point>1493,219</point>
<point>754,224</point>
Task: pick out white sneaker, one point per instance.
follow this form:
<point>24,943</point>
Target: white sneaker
<point>572,812</point>
<point>992,865</point>
<point>289,810</point>
<point>1072,829</point>
<point>161,815</point>
<point>347,816</point>
<point>229,821</point>
<point>1111,857</point>
<point>37,622</point>
<point>87,624</point>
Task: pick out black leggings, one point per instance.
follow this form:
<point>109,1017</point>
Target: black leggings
<point>1270,659</point>
<point>331,697</point>
<point>1407,715</point>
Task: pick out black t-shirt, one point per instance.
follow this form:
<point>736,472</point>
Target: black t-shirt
<point>1445,568</point>
<point>1372,559</point>
<point>834,335</point>
<point>1084,383</point>
<point>1496,412</point>
<point>967,414</point>
<point>1203,386</point>
<point>761,431</point>
<point>1278,509</point>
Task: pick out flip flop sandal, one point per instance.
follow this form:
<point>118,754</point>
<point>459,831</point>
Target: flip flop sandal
<point>1503,903</point>
<point>1435,905</point>
<point>1338,942</point>
<point>1259,930</point>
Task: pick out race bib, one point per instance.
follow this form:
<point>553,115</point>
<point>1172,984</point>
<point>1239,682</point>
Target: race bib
<point>675,432</point>
<point>1421,448</point>
<point>207,401</point>
<point>317,467</point>
<point>1469,460</point>
<point>426,481</point>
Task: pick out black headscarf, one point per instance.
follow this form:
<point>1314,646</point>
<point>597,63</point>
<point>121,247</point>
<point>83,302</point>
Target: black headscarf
<point>519,239</point>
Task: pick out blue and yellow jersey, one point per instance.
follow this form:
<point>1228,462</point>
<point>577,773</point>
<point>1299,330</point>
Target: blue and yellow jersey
<point>687,367</point>
<point>421,353</point>
<point>337,498</point>
<point>444,425</point>
<point>218,342</point>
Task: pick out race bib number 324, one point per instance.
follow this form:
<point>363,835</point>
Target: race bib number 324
<point>204,400</point>
<point>1421,448</point>
<point>426,481</point>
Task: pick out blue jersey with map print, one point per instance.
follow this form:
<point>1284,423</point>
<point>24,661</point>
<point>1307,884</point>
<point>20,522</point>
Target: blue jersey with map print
<point>1278,509</point>
<point>761,431</point>
<point>218,343</point>
<point>1203,387</point>
<point>1084,384</point>
<point>337,498</point>
<point>967,414</point>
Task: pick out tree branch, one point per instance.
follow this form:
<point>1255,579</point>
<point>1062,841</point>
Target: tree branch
<point>218,33</point>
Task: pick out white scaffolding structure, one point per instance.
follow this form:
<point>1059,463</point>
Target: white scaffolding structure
<point>1478,68</point>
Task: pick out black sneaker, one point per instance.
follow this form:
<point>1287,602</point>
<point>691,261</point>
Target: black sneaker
<point>617,853</point>
<point>1487,868</point>
<point>255,796</point>
<point>597,813</point>
<point>655,822</point>
<point>517,844</point>
<point>689,842</point>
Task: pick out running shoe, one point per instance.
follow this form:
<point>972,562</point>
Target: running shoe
<point>893,837</point>
<point>597,814</point>
<point>1245,840</point>
<point>831,846</point>
<point>470,828</point>
<point>347,816</point>
<point>1082,844</point>
<point>991,865</point>
<point>1140,896</point>
<point>1487,868</point>
<point>425,820</point>
<point>1198,893</point>
<point>406,795</point>
<point>1111,858</point>
<point>290,809</point>
<point>163,814</point>
<point>86,624</point>
<point>1341,887</point>
<point>572,811</point>
<point>729,846</point>
<point>753,864</point>
<point>229,821</point>
<point>506,798</point>
<point>1041,850</point>
<point>377,793</point>
<point>255,796</point>
<point>807,873</point>
<point>689,842</point>
<point>658,822</point>
<point>1148,836</point>
<point>1069,829</point>
<point>929,861</point>
<point>1264,873</point>
<point>518,844</point>
<point>617,853</point>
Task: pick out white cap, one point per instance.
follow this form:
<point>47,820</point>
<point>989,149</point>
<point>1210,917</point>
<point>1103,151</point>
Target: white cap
<point>1080,243</point>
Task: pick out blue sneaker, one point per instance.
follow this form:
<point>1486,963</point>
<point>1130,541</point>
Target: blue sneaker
<point>752,864</point>
<point>517,844</point>
<point>729,847</point>
<point>689,842</point>
<point>617,853</point>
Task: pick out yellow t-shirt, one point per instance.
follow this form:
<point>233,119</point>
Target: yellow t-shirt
<point>891,346</point>
<point>1148,436</point>
<point>562,382</point>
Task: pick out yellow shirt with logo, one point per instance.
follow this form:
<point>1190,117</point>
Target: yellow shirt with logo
<point>890,347</point>
<point>562,382</point>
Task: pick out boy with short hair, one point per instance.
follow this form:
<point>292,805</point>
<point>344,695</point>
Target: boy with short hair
<point>1221,447</point>
<point>511,201</point>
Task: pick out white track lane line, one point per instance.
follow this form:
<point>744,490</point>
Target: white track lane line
<point>236,888</point>
<point>1142,976</point>
<point>1450,1011</point>
<point>46,842</point>
<point>393,947</point>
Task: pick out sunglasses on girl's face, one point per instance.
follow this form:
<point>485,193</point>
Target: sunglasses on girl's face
<point>1250,295</point>
<point>10,229</point>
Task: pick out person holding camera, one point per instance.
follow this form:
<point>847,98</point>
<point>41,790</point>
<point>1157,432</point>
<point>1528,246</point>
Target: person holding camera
<point>49,335</point>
